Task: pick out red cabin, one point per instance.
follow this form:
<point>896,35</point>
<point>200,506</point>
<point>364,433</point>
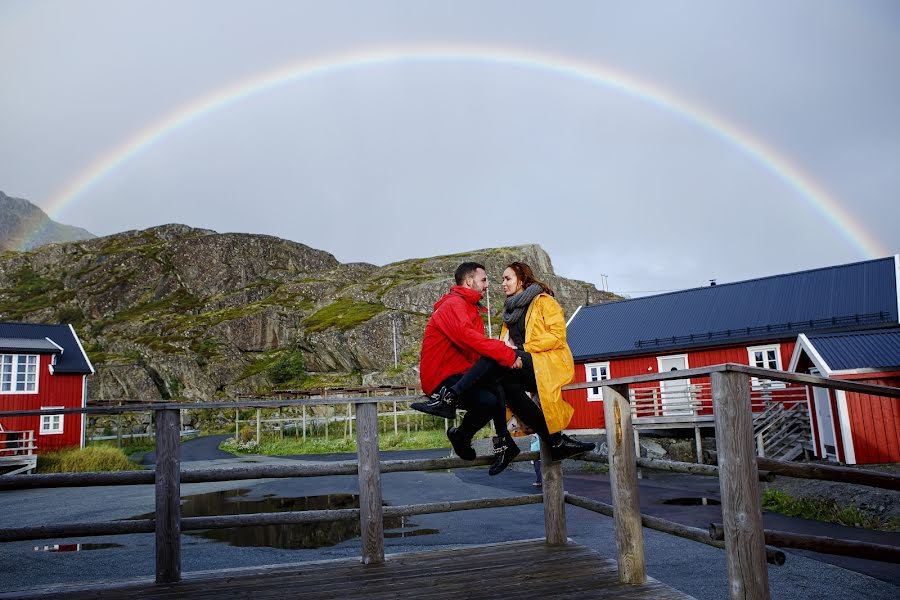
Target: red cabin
<point>41,367</point>
<point>851,427</point>
<point>753,322</point>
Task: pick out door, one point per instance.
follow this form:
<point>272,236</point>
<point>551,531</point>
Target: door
<point>822,401</point>
<point>675,394</point>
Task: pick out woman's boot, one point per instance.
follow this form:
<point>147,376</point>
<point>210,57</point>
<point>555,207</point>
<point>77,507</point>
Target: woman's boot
<point>505,450</point>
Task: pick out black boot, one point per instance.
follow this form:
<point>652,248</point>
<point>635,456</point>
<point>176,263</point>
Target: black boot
<point>567,447</point>
<point>461,445</point>
<point>505,450</point>
<point>441,403</point>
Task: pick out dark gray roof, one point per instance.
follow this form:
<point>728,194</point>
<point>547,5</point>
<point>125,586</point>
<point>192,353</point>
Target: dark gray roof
<point>41,346</point>
<point>878,349</point>
<point>856,296</point>
<point>72,360</point>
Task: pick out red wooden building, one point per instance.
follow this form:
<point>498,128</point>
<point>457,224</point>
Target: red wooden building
<point>42,366</point>
<point>851,427</point>
<point>754,322</point>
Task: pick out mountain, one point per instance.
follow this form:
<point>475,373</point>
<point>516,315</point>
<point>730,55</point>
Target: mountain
<point>23,223</point>
<point>182,313</point>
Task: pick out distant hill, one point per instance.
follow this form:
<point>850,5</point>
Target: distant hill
<point>176,312</point>
<point>21,221</point>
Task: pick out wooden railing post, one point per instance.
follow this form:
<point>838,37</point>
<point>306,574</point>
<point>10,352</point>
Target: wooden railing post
<point>745,552</point>
<point>554,499</point>
<point>623,480</point>
<point>168,496</point>
<point>370,505</point>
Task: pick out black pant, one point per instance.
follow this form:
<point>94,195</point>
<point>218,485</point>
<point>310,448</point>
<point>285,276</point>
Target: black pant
<point>481,404</point>
<point>488,373</point>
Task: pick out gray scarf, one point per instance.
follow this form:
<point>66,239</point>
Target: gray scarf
<point>516,305</point>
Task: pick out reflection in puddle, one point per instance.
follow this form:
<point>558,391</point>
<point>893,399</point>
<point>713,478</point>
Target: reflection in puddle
<point>289,536</point>
<point>75,547</point>
<point>692,502</point>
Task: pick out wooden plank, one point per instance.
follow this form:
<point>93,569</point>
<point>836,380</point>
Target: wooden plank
<point>168,496</point>
<point>493,571</point>
<point>624,486</point>
<point>554,498</point>
<point>823,544</point>
<point>745,552</point>
<point>370,501</point>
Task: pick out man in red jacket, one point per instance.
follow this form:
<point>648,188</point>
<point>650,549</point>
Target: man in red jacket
<point>454,340</point>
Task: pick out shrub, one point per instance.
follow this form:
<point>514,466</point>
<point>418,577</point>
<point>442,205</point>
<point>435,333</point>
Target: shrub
<point>87,460</point>
<point>289,367</point>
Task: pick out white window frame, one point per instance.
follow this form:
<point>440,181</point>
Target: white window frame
<point>751,360</point>
<point>13,373</point>
<point>595,394</point>
<point>52,424</point>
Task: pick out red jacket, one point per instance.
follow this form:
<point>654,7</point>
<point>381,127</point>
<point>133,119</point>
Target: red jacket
<point>454,339</point>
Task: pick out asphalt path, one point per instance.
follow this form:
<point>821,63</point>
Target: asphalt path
<point>694,568</point>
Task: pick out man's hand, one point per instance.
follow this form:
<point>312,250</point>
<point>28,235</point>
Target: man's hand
<point>517,364</point>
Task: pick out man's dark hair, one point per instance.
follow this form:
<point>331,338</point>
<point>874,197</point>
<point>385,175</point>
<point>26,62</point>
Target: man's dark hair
<point>466,269</point>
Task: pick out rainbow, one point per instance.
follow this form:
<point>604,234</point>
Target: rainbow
<point>812,193</point>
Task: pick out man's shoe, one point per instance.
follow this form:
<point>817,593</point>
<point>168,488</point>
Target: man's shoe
<point>504,453</point>
<point>568,447</point>
<point>461,446</point>
<point>441,403</point>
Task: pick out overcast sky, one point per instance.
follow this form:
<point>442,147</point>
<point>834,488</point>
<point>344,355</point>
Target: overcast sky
<point>416,158</point>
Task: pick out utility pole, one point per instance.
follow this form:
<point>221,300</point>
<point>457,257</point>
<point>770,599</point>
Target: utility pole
<point>394,328</point>
<point>490,329</point>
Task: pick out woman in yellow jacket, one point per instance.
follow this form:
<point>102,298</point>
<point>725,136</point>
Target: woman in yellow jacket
<point>533,324</point>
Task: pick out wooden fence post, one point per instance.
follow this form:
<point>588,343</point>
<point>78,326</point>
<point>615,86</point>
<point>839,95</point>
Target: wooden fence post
<point>554,499</point>
<point>745,552</point>
<point>370,506</point>
<point>623,479</point>
<point>168,496</point>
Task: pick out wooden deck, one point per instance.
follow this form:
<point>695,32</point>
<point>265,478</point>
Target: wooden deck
<point>527,569</point>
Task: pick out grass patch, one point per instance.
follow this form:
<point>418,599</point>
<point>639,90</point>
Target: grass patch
<point>129,445</point>
<point>824,509</point>
<point>88,460</point>
<point>31,292</point>
<point>344,313</point>
<point>277,446</point>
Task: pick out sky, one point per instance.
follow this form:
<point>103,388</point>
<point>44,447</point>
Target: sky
<point>652,146</point>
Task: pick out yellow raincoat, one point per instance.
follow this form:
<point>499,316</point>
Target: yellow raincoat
<point>545,340</point>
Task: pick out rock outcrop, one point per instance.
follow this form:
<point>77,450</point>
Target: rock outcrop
<point>174,312</point>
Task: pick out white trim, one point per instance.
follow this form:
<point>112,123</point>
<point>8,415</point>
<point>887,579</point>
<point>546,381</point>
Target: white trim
<point>572,317</point>
<point>80,347</point>
<point>62,422</point>
<point>897,282</point>
<point>13,381</point>
<point>83,415</point>
<point>846,430</point>
<point>819,362</point>
<point>53,356</point>
<point>660,358</point>
<point>751,350</point>
<point>598,397</point>
<point>61,349</point>
<point>827,391</point>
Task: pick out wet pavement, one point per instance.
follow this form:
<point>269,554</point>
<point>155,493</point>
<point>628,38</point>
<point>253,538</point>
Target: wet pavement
<point>694,568</point>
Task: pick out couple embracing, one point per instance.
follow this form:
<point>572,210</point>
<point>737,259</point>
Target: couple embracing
<point>523,371</point>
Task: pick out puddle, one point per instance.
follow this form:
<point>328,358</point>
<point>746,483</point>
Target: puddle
<point>75,547</point>
<point>291,536</point>
<point>692,502</point>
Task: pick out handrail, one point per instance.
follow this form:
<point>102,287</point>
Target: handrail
<point>744,541</point>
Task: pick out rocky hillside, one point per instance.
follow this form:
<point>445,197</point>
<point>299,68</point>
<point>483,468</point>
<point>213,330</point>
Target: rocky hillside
<point>24,224</point>
<point>176,312</point>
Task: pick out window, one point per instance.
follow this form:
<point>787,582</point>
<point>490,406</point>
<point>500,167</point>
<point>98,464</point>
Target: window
<point>51,424</point>
<point>765,357</point>
<point>596,372</point>
<point>18,373</point>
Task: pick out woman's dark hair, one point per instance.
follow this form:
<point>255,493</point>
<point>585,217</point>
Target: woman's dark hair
<point>526,276</point>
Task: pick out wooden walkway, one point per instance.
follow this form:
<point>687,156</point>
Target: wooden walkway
<point>527,569</point>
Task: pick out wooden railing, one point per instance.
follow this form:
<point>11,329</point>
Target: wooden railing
<point>742,532</point>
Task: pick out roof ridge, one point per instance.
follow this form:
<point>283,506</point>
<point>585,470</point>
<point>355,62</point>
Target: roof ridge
<point>743,281</point>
